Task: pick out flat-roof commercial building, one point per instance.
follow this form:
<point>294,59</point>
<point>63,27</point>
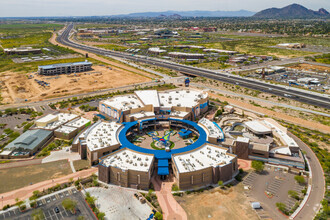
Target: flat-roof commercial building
<point>27,144</point>
<point>286,151</point>
<point>230,52</point>
<point>204,166</point>
<point>22,51</point>
<point>53,121</point>
<point>127,168</point>
<point>185,103</point>
<point>64,68</point>
<point>258,128</point>
<point>181,55</point>
<point>156,50</point>
<point>98,140</point>
<point>66,132</point>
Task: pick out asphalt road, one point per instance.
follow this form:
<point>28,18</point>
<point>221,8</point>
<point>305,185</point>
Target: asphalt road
<point>302,96</point>
<point>318,183</point>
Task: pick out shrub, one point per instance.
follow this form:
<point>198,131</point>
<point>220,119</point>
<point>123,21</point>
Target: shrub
<point>158,216</point>
<point>238,178</point>
<point>293,194</point>
<point>175,187</point>
<point>300,179</point>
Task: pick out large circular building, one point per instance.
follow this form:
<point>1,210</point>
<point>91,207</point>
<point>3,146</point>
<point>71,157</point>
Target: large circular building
<point>155,133</point>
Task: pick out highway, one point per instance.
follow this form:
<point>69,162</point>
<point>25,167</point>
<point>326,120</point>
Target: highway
<point>319,100</point>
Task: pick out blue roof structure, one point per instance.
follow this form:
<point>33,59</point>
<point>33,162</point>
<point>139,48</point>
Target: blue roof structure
<point>163,162</point>
<point>162,154</point>
<point>163,171</point>
<point>52,66</point>
<point>163,167</point>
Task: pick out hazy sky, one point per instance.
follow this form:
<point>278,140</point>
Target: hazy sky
<point>21,8</point>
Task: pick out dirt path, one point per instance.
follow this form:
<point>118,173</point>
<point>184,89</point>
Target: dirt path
<point>277,115</point>
<point>26,192</point>
<point>94,56</point>
<point>170,207</point>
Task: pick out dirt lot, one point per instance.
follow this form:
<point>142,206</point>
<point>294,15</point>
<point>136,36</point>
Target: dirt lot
<point>309,67</point>
<point>81,164</point>
<point>217,204</point>
<point>18,177</point>
<point>17,87</point>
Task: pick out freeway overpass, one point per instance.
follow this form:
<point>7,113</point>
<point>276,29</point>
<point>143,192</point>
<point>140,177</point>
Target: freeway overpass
<point>312,98</point>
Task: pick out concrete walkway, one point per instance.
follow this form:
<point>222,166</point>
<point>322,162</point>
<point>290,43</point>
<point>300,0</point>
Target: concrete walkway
<point>26,192</point>
<point>170,207</point>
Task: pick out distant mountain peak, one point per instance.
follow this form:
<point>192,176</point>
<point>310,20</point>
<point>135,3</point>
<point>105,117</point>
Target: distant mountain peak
<point>196,13</point>
<point>292,11</point>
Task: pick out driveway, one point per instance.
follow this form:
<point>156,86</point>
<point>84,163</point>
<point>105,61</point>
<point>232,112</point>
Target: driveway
<point>62,154</point>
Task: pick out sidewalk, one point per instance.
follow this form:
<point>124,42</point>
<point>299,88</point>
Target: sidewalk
<point>26,192</point>
<point>170,207</point>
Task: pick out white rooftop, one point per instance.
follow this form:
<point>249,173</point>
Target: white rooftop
<point>47,118</point>
<point>148,97</point>
<point>129,160</point>
<point>211,128</point>
<point>243,139</point>
<point>258,127</point>
<point>282,150</point>
<point>62,118</point>
<point>101,135</point>
<point>179,114</point>
<point>65,129</point>
<point>284,136</point>
<point>142,114</point>
<point>185,54</point>
<point>156,50</point>
<point>206,156</point>
<point>220,51</point>
<point>125,102</point>
<point>77,123</point>
<point>186,98</point>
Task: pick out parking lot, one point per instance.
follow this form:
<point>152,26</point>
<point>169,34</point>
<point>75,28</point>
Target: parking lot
<point>270,187</point>
<point>49,203</point>
<point>119,203</point>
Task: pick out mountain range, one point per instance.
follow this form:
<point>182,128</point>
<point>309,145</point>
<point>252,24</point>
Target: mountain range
<point>292,11</point>
<point>288,12</point>
<point>241,13</point>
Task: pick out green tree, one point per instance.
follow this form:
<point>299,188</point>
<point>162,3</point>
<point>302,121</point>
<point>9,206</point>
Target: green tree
<point>38,214</point>
<point>158,216</point>
<point>300,179</point>
<point>95,119</point>
<point>258,166</point>
<point>293,194</point>
<point>281,206</point>
<point>69,204</point>
<point>101,215</point>
<point>220,183</point>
